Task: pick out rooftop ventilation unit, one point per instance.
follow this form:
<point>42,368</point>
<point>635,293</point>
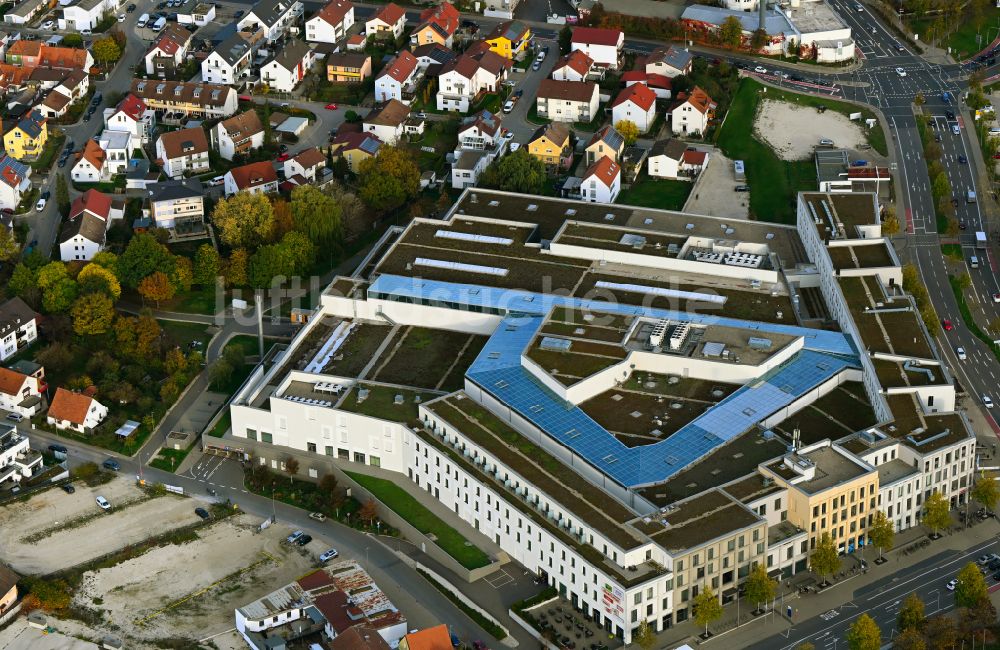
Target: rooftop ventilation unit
<point>679,335</point>
<point>659,331</point>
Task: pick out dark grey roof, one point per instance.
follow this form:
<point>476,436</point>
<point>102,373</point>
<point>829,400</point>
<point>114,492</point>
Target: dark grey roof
<point>233,49</point>
<point>87,226</point>
<point>270,11</point>
<point>670,147</point>
<point>13,314</point>
<point>610,136</point>
<point>292,54</point>
<point>178,189</point>
<point>435,52</point>
<point>672,56</point>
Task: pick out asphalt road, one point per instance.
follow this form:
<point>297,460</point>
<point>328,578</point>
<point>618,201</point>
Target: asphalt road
<point>881,600</point>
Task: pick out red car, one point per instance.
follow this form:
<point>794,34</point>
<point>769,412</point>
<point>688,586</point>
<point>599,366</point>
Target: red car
<point>331,107</point>
<point>947,325</point>
<point>996,156</point>
<point>283,157</point>
<point>245,98</point>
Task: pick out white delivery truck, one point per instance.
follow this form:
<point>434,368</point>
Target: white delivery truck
<point>980,240</point>
<point>143,19</point>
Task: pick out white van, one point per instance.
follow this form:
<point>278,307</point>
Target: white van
<point>160,23</point>
<point>974,262</point>
<point>143,19</point>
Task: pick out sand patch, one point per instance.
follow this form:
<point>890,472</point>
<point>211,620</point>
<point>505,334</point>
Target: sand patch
<point>793,132</point>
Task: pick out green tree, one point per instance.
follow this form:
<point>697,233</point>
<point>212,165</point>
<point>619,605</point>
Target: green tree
<point>388,180</point>
<point>62,195</point>
<point>981,615</point>
<point>292,256</point>
<point>72,40</point>
<point>220,374</point>
<point>106,50</point>
<point>207,264</point>
<point>565,39</point>
<point>909,640</point>
<point>50,274</point>
<point>940,632</point>
<point>329,491</point>
<point>244,220</point>
<point>156,287</point>
<point>628,130</point>
<point>971,587</point>
<point>935,514</point>
<point>517,172</point>
<point>9,248</point>
<point>805,646</point>
<point>707,608</point>
<point>21,281</point>
<point>918,99</point>
<point>964,281</point>
<point>236,268</point>
<point>985,491</point>
<point>911,614</point>
<point>59,295</point>
<point>94,278</point>
<point>941,187</point>
<point>824,559</point>
<point>143,256</point>
<point>864,634</point>
<point>731,32</point>
<point>760,587</point>
<point>182,275</point>
<point>93,313</point>
<point>644,636</point>
<point>316,215</point>
<point>881,532</point>
<point>291,467</point>
<point>758,39</point>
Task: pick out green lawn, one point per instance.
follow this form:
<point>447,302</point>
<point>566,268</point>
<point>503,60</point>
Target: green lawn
<point>962,40</point>
<point>662,194</point>
<point>222,425</point>
<point>954,251</point>
<point>183,334</point>
<point>449,539</point>
<point>774,183</point>
<point>169,459</point>
<point>53,145</point>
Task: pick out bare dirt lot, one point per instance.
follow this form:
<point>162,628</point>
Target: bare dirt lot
<point>794,131</point>
<point>715,192</point>
<point>189,591</point>
<point>54,530</point>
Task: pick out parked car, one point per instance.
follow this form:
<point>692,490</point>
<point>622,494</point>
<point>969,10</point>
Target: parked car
<point>48,24</point>
<point>330,107</point>
<point>303,540</point>
<point>508,106</point>
<point>950,114</point>
<point>294,536</point>
<point>901,72</point>
<point>121,18</point>
<point>86,32</point>
<point>328,555</point>
<point>514,146</point>
<point>40,205</point>
<point>112,464</point>
<point>130,8</point>
<point>996,298</point>
<point>283,157</point>
<point>103,503</point>
<point>46,194</point>
<point>15,417</point>
<point>201,512</point>
<point>318,516</point>
<point>742,188</point>
<point>68,488</point>
<point>238,14</point>
<point>58,449</point>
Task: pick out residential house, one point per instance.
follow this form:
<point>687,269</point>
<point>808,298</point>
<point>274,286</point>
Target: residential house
<point>85,231</point>
<point>480,131</point>
<point>387,121</point>
<point>272,17</point>
<point>637,104</point>
<point>55,104</point>
<point>195,12</point>
<point>432,54</point>
<point>27,138</point>
<point>239,134</point>
<point>551,145</point>
<point>19,393</point>
<point>359,637</point>
<point>15,181</point>
<point>602,181</point>
<point>33,54</point>
<point>83,14</point>
<point>75,85</point>
<point>575,66</point>
<point>331,23</point>
<point>289,66</point>
<point>389,22</point>
<point>91,165</point>
<point>691,114</point>
<point>604,46</point>
<point>176,204</point>
<point>75,411</point>
<point>431,638</point>
<point>184,151</point>
<point>607,142</point>
<point>18,327</point>
<point>228,62</point>
<point>23,12</point>
<point>131,115</point>
<point>438,24</point>
<point>675,160</point>
<point>567,101</point>
<point>308,164</point>
<point>396,78</point>
<point>661,86</point>
<point>355,148</point>
<point>177,101</point>
<point>356,42</point>
<point>509,39</point>
<point>17,461</point>
<point>118,147</point>
<point>256,178</point>
<point>463,80</point>
<point>350,67</point>
<point>168,52</point>
<point>668,61</point>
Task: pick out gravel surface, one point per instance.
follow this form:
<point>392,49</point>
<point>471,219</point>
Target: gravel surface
<point>795,131</point>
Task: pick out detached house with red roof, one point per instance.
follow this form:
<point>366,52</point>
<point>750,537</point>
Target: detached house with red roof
<point>184,151</point>
<point>397,78</point>
<point>131,115</point>
<point>239,134</point>
<point>19,393</point>
<point>567,101</point>
<point>75,411</point>
<point>575,66</point>
<point>331,23</point>
<point>675,160</point>
<point>438,24</point>
<point>604,46</point>
<point>168,52</point>
<point>308,164</point>
<point>602,181</point>
<point>14,182</point>
<point>84,233</point>
<point>91,164</point>
<point>389,22</point>
<point>637,104</point>
<point>256,178</point>
<point>462,80</point>
<point>692,112</point>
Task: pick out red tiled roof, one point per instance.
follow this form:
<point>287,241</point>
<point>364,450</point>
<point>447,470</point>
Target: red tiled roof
<point>651,79</point>
<point>401,67</point>
<point>334,11</point>
<point>577,60</point>
<point>432,638</point>
<point>700,100</point>
<point>254,174</point>
<point>94,154</point>
<point>638,94</point>
<point>11,382</point>
<point>318,578</point>
<point>574,91</point>
<point>310,157</point>
<point>596,36</point>
<point>69,406</point>
<point>605,170</point>
<point>97,203</point>
<point>443,15</point>
<point>192,139</point>
<point>24,47</point>
<point>390,14</point>
<point>693,157</point>
<point>132,106</point>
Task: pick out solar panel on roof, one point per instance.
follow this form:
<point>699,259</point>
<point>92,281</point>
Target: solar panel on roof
<point>460,266</point>
<point>472,237</point>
